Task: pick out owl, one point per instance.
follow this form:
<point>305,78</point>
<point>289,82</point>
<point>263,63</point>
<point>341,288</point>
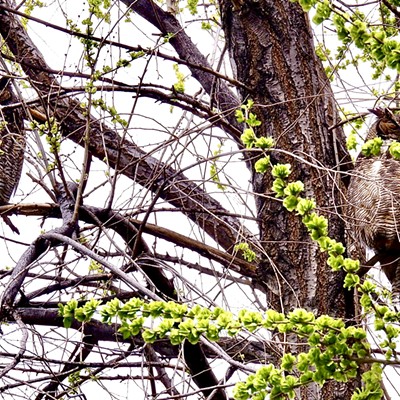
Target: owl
<point>12,142</point>
<point>373,199</point>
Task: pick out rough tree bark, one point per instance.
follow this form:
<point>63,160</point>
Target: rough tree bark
<point>271,49</point>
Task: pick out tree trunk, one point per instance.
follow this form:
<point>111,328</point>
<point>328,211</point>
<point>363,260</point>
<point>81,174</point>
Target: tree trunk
<point>271,49</point>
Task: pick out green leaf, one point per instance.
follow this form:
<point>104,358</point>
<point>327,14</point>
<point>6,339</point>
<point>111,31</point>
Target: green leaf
<point>240,391</point>
<point>261,166</point>
<point>305,206</point>
<point>351,142</point>
<point>264,143</point>
<point>290,203</point>
<point>252,120</point>
<point>175,337</point>
<point>351,280</point>
<point>350,265</point>
<point>323,12</point>
<point>240,117</point>
<point>394,150</point>
<point>278,187</point>
<point>372,147</point>
<point>149,336</point>
<point>301,316</point>
<point>287,362</point>
<point>281,171</point>
<point>294,188</point>
<point>306,5</point>
<point>212,333</point>
<point>248,138</point>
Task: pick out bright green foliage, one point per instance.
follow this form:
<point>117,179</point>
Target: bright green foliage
<point>339,21</point>
<point>100,9</point>
<point>51,130</point>
<point>293,188</point>
<point>351,142</point>
<point>372,147</point>
<point>372,389</point>
<point>394,150</point>
<point>281,171</point>
<point>278,187</point>
<point>334,349</point>
<point>206,25</point>
<point>359,32</point>
<point>68,312</point>
<point>264,143</point>
<point>96,267</point>
<point>214,173</point>
<point>378,42</point>
<point>111,110</point>
<point>243,114</point>
<point>179,86</point>
<point>306,4</point>
<point>261,166</point>
<point>192,6</point>
<point>248,138</point>
<point>71,311</point>
<point>322,12</point>
<point>248,254</point>
<point>317,225</point>
<point>29,6</point>
<point>305,206</point>
<point>292,191</point>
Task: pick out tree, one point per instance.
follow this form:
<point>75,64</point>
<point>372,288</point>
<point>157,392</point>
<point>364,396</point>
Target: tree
<point>139,151</point>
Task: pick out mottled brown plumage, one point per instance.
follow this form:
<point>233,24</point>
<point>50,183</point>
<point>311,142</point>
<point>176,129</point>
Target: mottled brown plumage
<point>374,199</point>
<point>386,126</point>
<point>12,142</point>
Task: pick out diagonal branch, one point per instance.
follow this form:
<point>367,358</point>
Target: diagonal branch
<point>34,251</point>
<point>241,350</point>
<point>166,23</point>
<point>124,156</point>
<point>127,229</point>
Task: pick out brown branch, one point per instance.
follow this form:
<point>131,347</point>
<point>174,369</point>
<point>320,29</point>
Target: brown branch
<point>22,346</point>
<point>83,349</point>
<point>239,349</point>
<point>127,228</point>
<point>125,156</point>
<point>34,251</point>
<point>132,161</point>
<point>166,23</point>
<point>129,48</point>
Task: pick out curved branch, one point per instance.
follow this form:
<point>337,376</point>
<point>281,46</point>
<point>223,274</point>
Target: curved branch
<point>166,23</point>
<point>34,251</point>
<point>84,349</point>
<point>119,45</point>
<point>127,228</point>
<point>124,156</point>
<point>238,349</point>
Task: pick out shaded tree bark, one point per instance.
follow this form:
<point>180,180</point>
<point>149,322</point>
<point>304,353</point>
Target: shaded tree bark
<point>271,48</point>
<point>271,45</point>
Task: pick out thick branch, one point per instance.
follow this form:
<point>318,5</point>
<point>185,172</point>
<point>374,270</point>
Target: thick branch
<point>166,23</point>
<point>34,251</point>
<point>241,350</point>
<point>127,229</point>
<point>122,155</point>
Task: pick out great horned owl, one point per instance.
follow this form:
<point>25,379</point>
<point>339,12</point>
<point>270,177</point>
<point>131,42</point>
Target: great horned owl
<point>12,142</point>
<point>373,216</point>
